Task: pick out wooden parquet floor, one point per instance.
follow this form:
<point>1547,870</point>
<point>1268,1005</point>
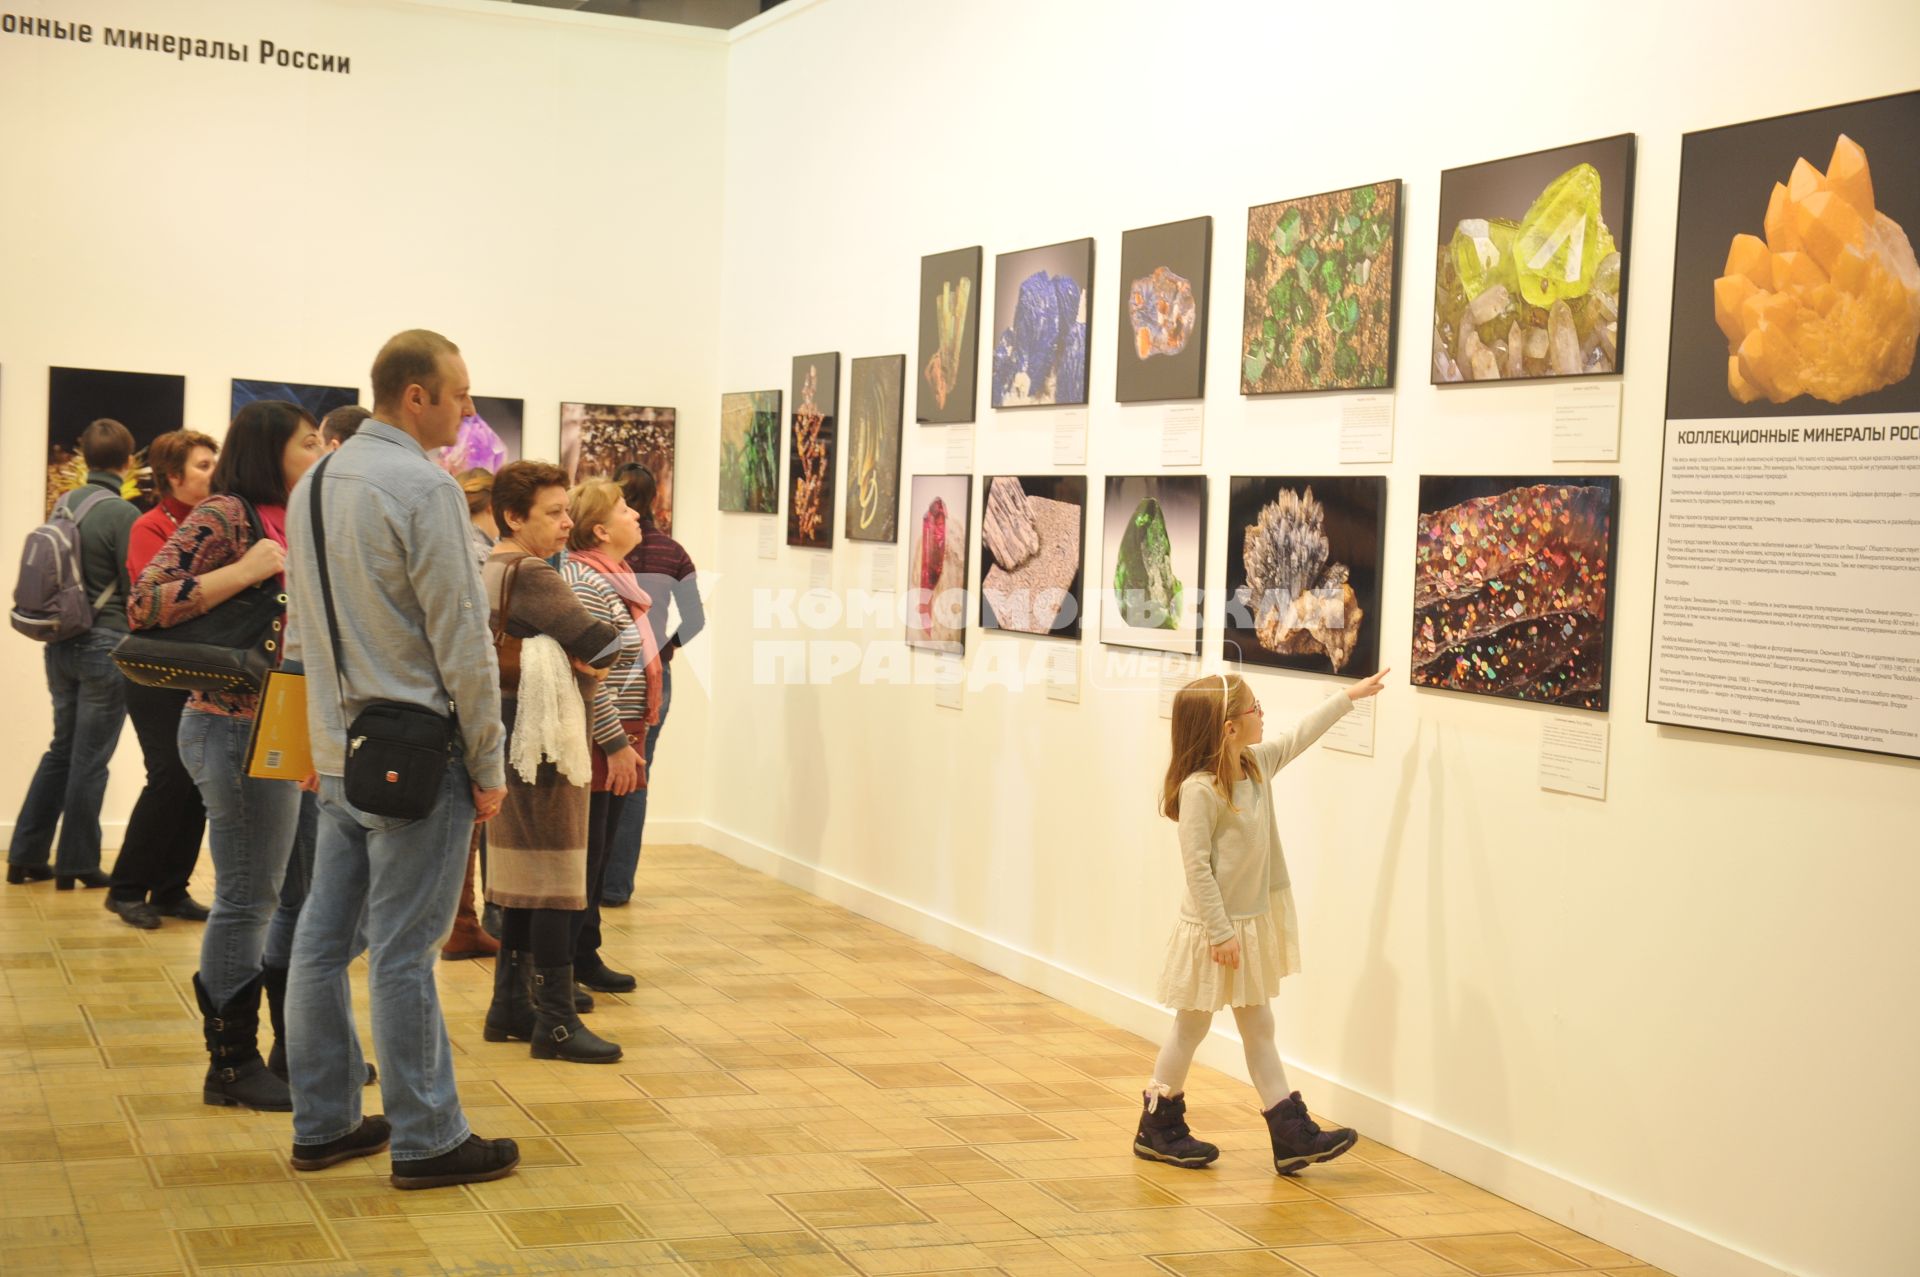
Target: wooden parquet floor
<point>804,1093</point>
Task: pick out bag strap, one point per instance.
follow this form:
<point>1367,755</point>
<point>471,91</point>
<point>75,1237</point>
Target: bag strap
<point>506,600</point>
<point>78,510</point>
<point>326,584</point>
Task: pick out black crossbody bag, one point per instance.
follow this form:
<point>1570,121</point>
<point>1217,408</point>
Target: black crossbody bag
<point>397,753</point>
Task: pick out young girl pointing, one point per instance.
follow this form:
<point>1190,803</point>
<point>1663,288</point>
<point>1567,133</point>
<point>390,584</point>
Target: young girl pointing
<point>1237,935</point>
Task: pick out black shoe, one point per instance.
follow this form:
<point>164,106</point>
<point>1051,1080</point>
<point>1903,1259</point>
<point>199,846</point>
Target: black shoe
<point>474,1162</point>
<point>135,913</point>
<point>510,1015</point>
<point>558,1033</point>
<point>582,1000</point>
<point>372,1136</point>
<point>91,878</point>
<point>601,978</point>
<point>1164,1136</point>
<point>185,908</point>
<point>606,903</point>
<point>1298,1141</point>
<point>236,1075</point>
<point>17,874</point>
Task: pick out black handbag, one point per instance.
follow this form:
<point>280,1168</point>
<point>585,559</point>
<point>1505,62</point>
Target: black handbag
<point>397,753</point>
<point>229,649</point>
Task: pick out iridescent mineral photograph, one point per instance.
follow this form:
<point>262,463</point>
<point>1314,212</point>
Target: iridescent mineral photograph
<point>318,400</point>
<point>1032,533</point>
<point>1153,549</point>
<point>1512,579</point>
<point>1042,298</point>
<point>950,293</point>
<point>936,600</point>
<point>596,439</point>
<point>1530,276</point>
<point>1796,290</point>
<point>812,426</point>
<point>1322,272</point>
<point>873,448</point>
<point>1162,348</point>
<point>750,452</point>
<point>489,436</point>
<point>1303,572</point>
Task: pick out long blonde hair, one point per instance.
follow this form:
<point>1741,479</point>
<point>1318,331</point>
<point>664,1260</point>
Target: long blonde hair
<point>1201,711</point>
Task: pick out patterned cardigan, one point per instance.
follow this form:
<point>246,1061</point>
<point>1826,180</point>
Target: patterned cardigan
<point>168,592</point>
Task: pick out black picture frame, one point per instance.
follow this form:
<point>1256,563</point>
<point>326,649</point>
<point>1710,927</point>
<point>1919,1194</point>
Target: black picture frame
<point>148,404</point>
<point>1351,525</point>
<point>1064,365</point>
<point>875,388</point>
<point>948,380</point>
<point>1160,344</point>
<point>1014,590</point>
<point>813,426</point>
<point>945,630</point>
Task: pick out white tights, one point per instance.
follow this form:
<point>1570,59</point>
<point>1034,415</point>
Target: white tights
<point>1256,1038</point>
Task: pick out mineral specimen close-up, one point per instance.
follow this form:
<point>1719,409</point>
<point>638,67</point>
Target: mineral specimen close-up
<point>1828,304</point>
<point>1160,306</point>
<point>1146,590</point>
<point>1042,354</point>
<point>950,317</point>
<point>1539,297</point>
<point>1301,603</point>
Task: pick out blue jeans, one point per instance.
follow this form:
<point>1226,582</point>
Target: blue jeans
<point>299,879</point>
<point>623,848</point>
<point>250,833</point>
<point>404,877</point>
<point>89,708</point>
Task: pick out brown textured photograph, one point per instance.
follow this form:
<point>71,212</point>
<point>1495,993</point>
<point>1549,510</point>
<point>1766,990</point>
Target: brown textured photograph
<point>596,439</point>
<point>1032,538</point>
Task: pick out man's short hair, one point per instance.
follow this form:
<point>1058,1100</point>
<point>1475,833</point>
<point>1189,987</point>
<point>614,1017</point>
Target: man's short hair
<point>339,425</point>
<point>411,358</point>
<point>107,445</point>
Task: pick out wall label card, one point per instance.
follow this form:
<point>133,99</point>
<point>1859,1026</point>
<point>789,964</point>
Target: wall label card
<point>1573,756</point>
<point>1366,430</point>
<point>820,572</point>
<point>769,538</point>
<point>883,569</point>
<point>959,450</point>
<point>949,681</point>
<point>1353,734</point>
<point>1063,674</point>
<point>1586,421</point>
<point>1181,435</point>
<point>1070,438</point>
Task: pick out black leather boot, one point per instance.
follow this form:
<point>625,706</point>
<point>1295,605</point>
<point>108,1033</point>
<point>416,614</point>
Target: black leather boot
<point>1298,1141</point>
<point>510,1017</point>
<point>1164,1136</point>
<point>236,1075</point>
<point>558,1031</point>
<point>273,982</point>
<point>601,978</point>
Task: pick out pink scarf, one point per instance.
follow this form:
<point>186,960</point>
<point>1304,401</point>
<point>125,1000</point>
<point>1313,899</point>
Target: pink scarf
<point>621,577</point>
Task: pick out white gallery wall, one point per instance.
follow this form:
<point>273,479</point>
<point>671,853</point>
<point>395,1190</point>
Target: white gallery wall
<point>1680,1018</point>
<point>542,188</point>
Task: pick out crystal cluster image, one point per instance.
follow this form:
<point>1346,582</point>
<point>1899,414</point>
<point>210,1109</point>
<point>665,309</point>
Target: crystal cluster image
<point>1030,534</point>
<point>1828,304</point>
<point>1320,292</point>
<point>1511,588</point>
<point>937,562</point>
<point>1160,307</point>
<point>1301,600</point>
<point>597,439</point>
<point>1041,357</point>
<point>1535,297</point>
<point>750,451</point>
<point>476,446</point>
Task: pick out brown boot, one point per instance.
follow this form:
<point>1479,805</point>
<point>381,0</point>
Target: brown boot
<point>468,939</point>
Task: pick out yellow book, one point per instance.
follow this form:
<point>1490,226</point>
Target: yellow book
<point>278,749</point>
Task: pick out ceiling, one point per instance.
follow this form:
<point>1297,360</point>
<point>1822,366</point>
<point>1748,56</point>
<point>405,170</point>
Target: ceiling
<point>723,14</point>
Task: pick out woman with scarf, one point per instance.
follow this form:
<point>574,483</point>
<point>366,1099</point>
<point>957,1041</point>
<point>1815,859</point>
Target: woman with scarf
<point>605,532</point>
<point>211,557</point>
<point>552,653</point>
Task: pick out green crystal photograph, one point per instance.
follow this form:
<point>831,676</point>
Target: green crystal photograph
<point>1531,271</point>
<point>1303,573</point>
<point>750,452</point>
<point>950,291</point>
<point>1153,546</point>
<point>1322,273</point>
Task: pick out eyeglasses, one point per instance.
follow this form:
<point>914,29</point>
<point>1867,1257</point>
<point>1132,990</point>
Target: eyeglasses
<point>1254,709</point>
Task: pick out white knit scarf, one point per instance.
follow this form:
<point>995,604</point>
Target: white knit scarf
<point>550,721</point>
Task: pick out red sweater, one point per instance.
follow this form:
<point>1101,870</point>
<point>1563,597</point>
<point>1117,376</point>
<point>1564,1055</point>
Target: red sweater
<point>150,531</point>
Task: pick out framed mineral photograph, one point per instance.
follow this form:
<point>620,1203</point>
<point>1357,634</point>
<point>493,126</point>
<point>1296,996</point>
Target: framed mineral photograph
<point>937,562</point>
<point>750,452</point>
<point>1042,298</point>
<point>1303,572</point>
<point>490,436</point>
<point>147,404</point>
<point>1153,551</point>
<point>318,400</point>
<point>1513,587</point>
<point>1032,543</point>
<point>1323,275</point>
<point>951,289</point>
<point>873,448</point>
<point>1162,348</point>
<point>596,439</point>
<point>1530,276</point>
<point>810,450</point>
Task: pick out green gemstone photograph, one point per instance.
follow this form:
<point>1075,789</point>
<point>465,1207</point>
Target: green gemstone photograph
<point>1322,273</point>
<point>750,452</point>
<point>1303,572</point>
<point>1153,545</point>
<point>1530,277</point>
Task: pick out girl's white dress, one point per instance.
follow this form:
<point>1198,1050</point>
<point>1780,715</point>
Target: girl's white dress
<point>1237,884</point>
